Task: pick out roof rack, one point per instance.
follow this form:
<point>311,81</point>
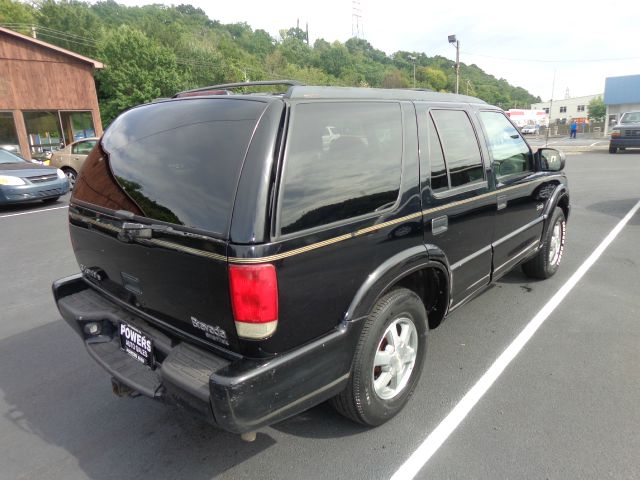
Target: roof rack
<point>225,86</point>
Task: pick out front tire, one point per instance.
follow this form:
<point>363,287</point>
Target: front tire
<point>388,360</point>
<point>547,260</point>
<point>613,149</point>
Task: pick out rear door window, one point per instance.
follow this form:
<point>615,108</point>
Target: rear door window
<point>460,147</point>
<point>180,161</point>
<point>343,160</point>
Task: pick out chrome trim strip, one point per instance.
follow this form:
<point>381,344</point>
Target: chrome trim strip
<point>479,281</point>
<point>518,231</point>
<point>465,299</point>
<point>515,258</point>
<point>314,246</point>
<point>459,263</point>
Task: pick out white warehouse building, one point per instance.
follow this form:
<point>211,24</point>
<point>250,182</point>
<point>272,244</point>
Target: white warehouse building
<point>568,109</point>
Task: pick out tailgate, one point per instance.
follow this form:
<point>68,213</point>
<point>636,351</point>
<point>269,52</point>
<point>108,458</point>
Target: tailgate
<point>150,213</point>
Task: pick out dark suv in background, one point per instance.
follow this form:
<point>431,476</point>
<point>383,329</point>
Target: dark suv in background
<point>248,256</point>
<point>626,134</point>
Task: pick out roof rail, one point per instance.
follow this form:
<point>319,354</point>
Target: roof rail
<point>225,86</point>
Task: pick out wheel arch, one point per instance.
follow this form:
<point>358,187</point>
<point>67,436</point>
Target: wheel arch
<point>421,269</point>
<point>559,198</point>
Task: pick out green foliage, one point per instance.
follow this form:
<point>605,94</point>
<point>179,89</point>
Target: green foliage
<point>18,15</point>
<point>70,17</point>
<point>137,71</point>
<point>597,109</point>
<point>156,50</point>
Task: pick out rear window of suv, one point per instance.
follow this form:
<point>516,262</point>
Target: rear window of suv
<point>180,161</point>
<point>343,160</point>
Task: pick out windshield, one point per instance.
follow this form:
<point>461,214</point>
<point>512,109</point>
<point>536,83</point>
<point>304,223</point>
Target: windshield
<point>6,157</point>
<point>630,117</point>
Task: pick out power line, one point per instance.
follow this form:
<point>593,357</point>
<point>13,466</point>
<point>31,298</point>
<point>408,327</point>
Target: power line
<point>618,59</point>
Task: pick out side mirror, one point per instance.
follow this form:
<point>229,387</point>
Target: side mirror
<point>551,160</point>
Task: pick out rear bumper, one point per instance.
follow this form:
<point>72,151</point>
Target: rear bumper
<point>238,395</point>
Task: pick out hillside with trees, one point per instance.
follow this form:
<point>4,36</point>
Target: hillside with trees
<point>154,51</point>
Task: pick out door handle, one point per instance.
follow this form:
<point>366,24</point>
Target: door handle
<point>502,202</point>
<point>439,225</point>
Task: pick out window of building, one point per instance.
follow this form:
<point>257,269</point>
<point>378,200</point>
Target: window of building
<point>342,160</point>
<point>510,153</point>
<point>43,131</point>
<point>460,147</point>
<point>546,110</point>
<point>563,109</point>
<point>8,136</point>
<point>581,108</point>
<point>76,125</point>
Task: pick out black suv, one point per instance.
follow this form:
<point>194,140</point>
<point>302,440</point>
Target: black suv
<point>250,255</point>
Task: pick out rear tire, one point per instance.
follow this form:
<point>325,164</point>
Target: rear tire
<point>72,175</point>
<point>388,360</point>
<point>613,149</point>
<point>547,260</point>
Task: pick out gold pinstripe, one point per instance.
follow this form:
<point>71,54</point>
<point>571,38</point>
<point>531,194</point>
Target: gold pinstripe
<point>297,251</point>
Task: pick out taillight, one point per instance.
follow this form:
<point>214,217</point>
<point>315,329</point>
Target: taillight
<point>615,133</point>
<point>254,299</point>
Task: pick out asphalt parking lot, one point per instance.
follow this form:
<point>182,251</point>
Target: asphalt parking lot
<point>567,406</point>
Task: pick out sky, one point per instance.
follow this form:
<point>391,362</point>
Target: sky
<point>546,47</point>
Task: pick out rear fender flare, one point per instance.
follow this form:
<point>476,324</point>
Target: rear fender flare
<point>558,194</point>
<point>389,273</point>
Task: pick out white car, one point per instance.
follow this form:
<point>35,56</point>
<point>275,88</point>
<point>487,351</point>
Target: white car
<point>532,129</point>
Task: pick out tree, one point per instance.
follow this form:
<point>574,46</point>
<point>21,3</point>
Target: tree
<point>69,24</point>
<point>597,109</point>
<point>433,77</point>
<point>137,70</point>
<point>19,15</point>
<point>394,79</point>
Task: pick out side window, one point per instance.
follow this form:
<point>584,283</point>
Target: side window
<point>439,177</point>
<point>83,148</point>
<point>342,160</point>
<point>460,147</point>
<point>511,154</point>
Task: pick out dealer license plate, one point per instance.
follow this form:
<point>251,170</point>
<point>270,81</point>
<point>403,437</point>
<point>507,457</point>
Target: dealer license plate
<point>136,344</point>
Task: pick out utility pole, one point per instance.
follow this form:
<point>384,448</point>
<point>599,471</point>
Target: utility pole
<point>553,87</point>
<point>454,41</point>
<point>413,59</point>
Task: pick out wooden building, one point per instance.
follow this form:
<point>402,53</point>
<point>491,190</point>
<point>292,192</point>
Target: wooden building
<point>47,95</point>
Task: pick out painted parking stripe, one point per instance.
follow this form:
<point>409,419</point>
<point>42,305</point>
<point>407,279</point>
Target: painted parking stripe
<point>33,211</point>
<point>439,435</point>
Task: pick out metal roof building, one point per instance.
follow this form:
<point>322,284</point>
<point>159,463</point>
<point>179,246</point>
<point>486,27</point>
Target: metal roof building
<point>621,94</point>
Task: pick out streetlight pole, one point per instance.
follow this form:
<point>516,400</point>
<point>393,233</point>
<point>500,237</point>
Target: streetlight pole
<point>454,41</point>
<point>413,59</point>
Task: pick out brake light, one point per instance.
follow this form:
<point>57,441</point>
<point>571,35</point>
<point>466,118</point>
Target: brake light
<point>254,299</point>
<point>615,133</point>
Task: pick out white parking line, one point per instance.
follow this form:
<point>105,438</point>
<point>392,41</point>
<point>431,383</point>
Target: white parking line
<point>33,211</point>
<point>439,435</point>
<point>596,143</point>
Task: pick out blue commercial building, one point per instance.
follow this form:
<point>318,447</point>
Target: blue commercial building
<point>621,94</point>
